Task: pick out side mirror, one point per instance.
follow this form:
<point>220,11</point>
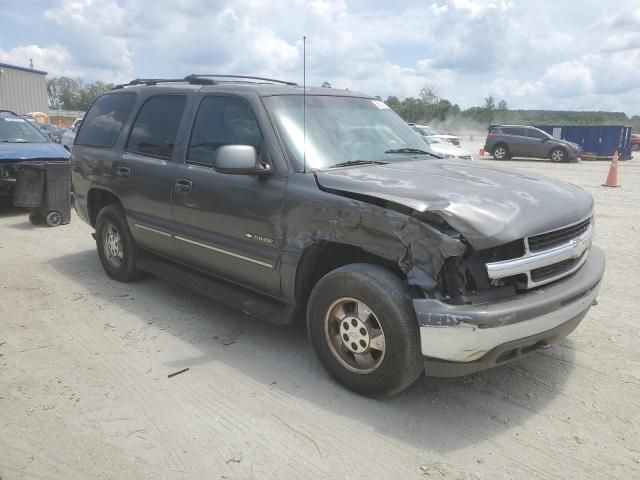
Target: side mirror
<point>239,160</point>
<point>544,139</point>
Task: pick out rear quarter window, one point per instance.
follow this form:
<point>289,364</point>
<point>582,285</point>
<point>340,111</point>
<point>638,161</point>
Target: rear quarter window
<point>103,123</point>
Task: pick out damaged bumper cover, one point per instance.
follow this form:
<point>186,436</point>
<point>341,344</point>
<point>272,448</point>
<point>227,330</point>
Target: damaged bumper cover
<point>461,339</point>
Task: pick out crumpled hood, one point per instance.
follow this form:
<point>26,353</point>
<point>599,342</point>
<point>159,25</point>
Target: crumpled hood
<point>489,206</point>
<point>32,151</point>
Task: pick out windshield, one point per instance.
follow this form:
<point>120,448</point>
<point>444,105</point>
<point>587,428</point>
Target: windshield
<point>18,130</point>
<point>340,130</point>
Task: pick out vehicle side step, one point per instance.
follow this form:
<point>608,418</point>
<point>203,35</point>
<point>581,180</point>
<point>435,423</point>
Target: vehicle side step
<point>234,296</point>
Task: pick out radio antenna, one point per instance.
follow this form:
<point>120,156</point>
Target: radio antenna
<point>304,104</point>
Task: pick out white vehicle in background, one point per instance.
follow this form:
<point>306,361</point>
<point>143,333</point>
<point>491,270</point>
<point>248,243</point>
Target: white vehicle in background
<point>430,132</point>
<point>444,149</point>
<point>70,135</point>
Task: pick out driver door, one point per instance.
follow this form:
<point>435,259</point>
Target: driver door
<point>223,222</point>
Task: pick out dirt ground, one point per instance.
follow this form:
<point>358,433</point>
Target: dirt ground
<point>84,392</point>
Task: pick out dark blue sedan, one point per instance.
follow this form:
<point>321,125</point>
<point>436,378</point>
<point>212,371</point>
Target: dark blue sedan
<point>22,142</point>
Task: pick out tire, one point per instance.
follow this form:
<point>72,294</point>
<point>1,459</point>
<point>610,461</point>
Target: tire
<point>635,147</point>
<point>558,155</point>
<point>386,313</point>
<point>117,249</point>
<point>501,152</point>
<point>35,219</point>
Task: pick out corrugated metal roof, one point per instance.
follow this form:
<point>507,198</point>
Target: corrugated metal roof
<point>23,69</point>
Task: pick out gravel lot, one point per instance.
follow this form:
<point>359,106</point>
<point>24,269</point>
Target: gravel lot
<point>84,392</point>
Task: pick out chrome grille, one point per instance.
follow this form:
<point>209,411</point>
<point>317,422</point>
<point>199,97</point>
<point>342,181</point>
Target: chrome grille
<point>548,256</point>
<point>548,240</point>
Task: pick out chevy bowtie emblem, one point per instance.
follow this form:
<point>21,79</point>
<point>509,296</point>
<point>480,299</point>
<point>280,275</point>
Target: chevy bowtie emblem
<point>578,248</point>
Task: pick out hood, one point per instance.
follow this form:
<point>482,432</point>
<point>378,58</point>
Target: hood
<point>32,151</point>
<point>489,206</point>
<point>447,149</point>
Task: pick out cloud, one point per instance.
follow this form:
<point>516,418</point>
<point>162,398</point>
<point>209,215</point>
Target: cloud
<point>580,54</point>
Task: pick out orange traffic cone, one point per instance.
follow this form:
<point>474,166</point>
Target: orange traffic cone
<point>482,152</point>
<point>612,177</point>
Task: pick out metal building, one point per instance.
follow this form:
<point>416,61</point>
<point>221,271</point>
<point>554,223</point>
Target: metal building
<point>23,90</point>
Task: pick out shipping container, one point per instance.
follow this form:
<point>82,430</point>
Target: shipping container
<point>597,141</point>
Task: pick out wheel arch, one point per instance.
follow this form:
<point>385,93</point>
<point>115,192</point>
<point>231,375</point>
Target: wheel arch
<point>322,257</point>
<point>97,199</point>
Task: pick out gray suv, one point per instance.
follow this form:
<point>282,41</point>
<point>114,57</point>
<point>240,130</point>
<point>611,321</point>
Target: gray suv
<point>507,141</point>
<point>320,205</point>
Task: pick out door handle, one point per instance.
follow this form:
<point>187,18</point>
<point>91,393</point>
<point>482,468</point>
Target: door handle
<point>123,172</point>
<point>183,185</point>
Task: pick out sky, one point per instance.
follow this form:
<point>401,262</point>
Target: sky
<point>539,54</point>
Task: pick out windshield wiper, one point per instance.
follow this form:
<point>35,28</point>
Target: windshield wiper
<point>351,163</point>
<point>409,150</point>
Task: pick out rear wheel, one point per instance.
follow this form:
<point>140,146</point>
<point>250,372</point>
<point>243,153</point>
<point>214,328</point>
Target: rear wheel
<point>558,155</point>
<point>117,249</point>
<point>364,331</point>
<point>635,147</point>
<point>501,152</point>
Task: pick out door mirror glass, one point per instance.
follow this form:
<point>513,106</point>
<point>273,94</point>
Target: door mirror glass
<point>238,160</point>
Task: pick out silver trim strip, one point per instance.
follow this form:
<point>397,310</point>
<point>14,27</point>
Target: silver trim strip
<point>159,232</point>
<point>226,252</point>
<point>573,249</point>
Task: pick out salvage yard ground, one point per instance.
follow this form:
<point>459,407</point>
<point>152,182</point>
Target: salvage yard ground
<point>84,392</point>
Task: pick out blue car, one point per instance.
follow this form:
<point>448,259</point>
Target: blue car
<point>22,142</point>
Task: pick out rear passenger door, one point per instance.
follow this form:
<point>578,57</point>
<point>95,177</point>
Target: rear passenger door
<point>144,171</point>
<point>225,223</point>
<point>517,141</point>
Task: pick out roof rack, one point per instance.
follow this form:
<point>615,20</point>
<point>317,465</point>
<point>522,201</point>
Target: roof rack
<point>199,79</point>
<point>202,76</point>
<point>9,111</point>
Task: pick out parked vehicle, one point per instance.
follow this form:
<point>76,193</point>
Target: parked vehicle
<point>22,142</point>
<point>431,132</point>
<point>54,133</point>
<point>400,262</point>
<point>635,142</point>
<point>507,141</point>
<point>70,135</point>
<point>445,149</point>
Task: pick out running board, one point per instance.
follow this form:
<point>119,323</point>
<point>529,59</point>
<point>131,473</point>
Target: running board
<point>247,301</point>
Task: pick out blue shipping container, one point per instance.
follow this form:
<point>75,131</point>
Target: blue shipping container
<point>595,140</point>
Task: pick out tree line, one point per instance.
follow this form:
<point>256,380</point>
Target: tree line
<point>73,94</point>
<point>427,107</point>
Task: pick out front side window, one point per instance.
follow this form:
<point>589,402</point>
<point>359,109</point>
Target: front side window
<point>535,133</point>
<point>222,121</point>
<point>342,129</point>
<point>102,124</point>
<point>156,127</point>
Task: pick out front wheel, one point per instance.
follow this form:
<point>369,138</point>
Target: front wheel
<point>635,147</point>
<point>117,249</point>
<point>558,155</point>
<point>363,328</point>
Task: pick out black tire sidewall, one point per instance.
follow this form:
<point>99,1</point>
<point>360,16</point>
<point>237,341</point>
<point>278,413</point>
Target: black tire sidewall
<point>388,298</point>
<point>127,271</point>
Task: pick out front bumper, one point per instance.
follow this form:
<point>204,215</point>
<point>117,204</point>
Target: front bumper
<point>461,339</point>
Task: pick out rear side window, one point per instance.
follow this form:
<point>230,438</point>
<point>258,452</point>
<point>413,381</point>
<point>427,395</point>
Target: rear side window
<point>514,131</point>
<point>102,124</point>
<point>156,127</point>
<point>222,121</point>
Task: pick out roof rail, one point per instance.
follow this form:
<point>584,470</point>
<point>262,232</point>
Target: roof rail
<point>155,81</point>
<point>202,76</point>
<point>198,79</point>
